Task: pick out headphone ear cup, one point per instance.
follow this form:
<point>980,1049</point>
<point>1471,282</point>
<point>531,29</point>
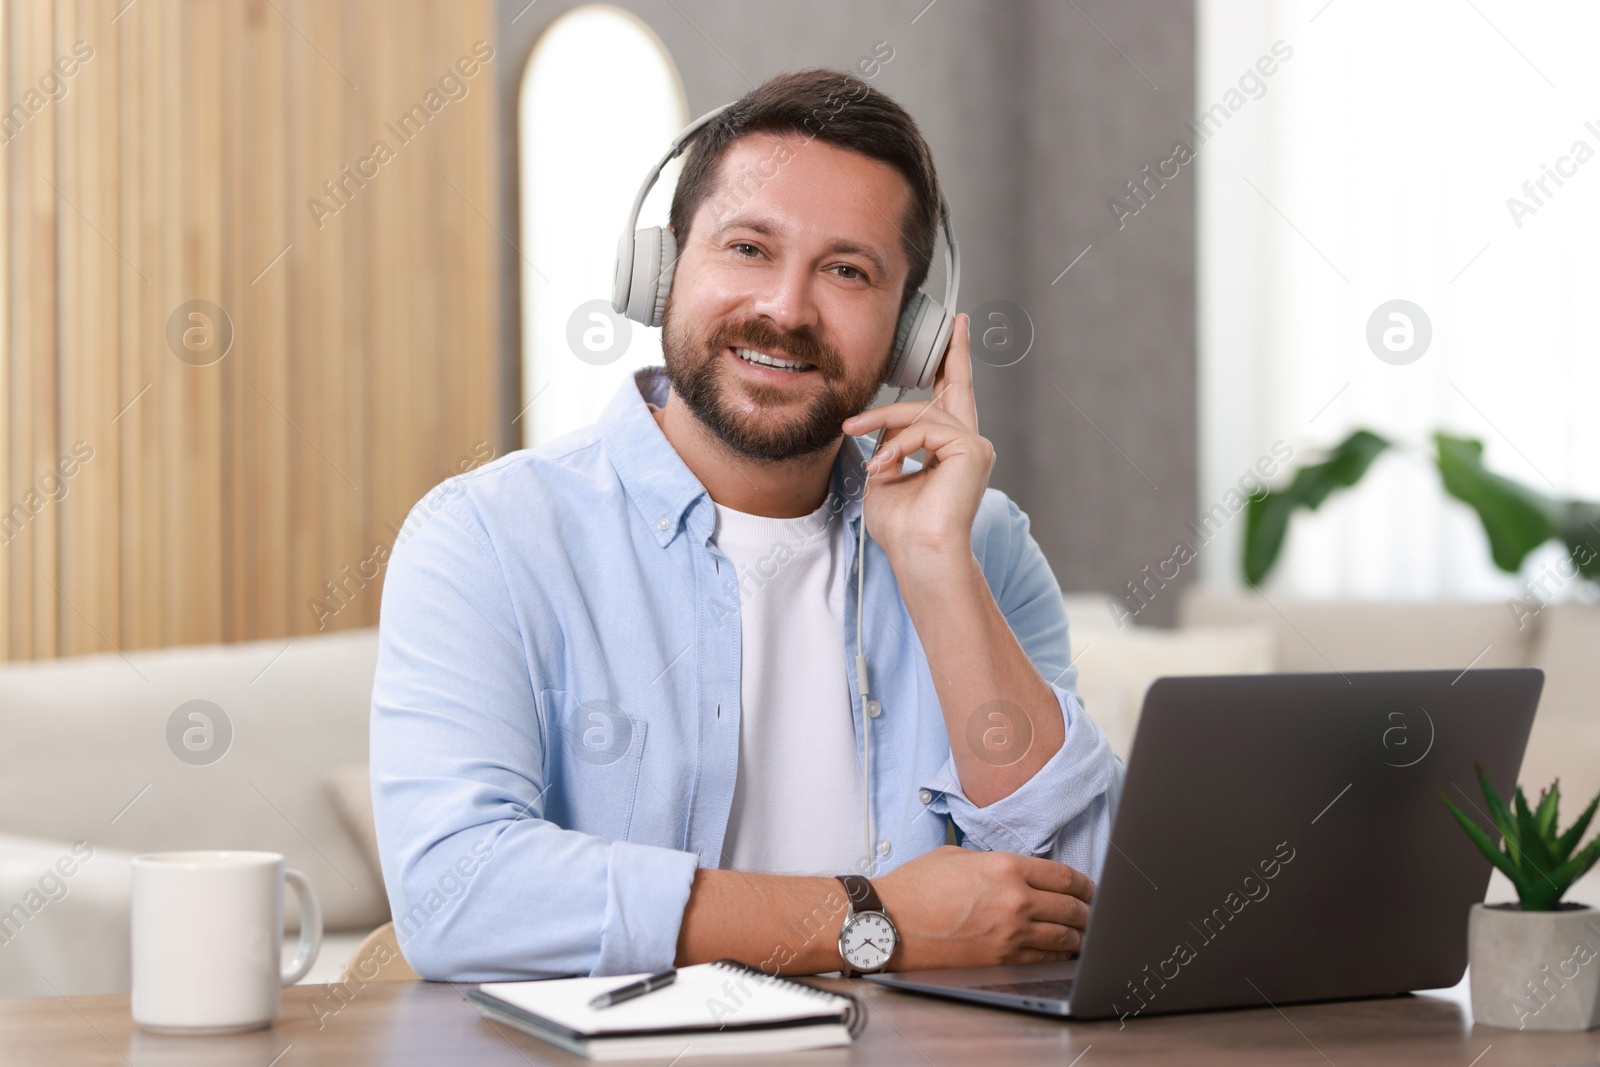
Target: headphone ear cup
<point>667,264</point>
<point>920,343</point>
<point>903,333</point>
<point>937,327</point>
<point>644,275</point>
<point>623,276</point>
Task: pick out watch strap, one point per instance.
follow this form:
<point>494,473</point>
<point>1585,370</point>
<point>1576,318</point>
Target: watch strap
<point>860,893</point>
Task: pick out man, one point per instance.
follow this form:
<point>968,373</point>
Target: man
<point>616,721</point>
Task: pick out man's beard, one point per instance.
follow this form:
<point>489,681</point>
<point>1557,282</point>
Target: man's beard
<point>696,371</point>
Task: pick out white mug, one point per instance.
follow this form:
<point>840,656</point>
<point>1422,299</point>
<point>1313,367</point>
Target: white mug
<point>208,936</point>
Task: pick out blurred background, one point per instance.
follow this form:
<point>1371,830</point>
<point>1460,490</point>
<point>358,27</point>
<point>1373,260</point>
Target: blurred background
<point>272,269</point>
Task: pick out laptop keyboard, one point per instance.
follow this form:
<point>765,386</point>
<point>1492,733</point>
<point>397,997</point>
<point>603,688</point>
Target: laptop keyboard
<point>1056,988</point>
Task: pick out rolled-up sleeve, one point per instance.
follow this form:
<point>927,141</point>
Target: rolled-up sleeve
<point>1065,811</point>
<point>481,885</point>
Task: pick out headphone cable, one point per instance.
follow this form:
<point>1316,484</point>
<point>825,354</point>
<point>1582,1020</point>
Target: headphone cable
<point>861,659</point>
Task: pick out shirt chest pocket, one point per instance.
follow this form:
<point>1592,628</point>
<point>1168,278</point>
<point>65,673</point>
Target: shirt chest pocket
<point>593,752</point>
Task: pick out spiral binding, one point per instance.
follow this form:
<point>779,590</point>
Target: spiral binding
<point>855,1009</point>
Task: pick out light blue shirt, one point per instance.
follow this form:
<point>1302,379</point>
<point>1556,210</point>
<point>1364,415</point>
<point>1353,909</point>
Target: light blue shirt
<point>555,717</point>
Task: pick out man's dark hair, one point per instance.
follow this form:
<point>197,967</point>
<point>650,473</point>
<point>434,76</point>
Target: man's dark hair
<point>825,105</point>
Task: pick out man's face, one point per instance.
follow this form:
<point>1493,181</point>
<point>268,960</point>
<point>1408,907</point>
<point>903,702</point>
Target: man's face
<point>796,256</point>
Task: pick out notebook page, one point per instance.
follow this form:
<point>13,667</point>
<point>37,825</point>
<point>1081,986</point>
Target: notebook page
<point>703,997</point>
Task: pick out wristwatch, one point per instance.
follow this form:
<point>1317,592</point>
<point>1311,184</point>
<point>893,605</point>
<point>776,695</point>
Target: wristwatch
<point>868,938</point>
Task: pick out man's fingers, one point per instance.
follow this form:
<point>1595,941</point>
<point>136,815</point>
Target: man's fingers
<point>907,441</point>
<point>955,376</point>
<point>1058,908</point>
<point>1053,937</point>
<point>897,415</point>
<point>1057,878</point>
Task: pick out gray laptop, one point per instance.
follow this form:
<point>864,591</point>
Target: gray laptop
<point>1281,838</point>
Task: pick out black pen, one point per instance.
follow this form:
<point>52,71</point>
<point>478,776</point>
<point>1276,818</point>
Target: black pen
<point>635,989</point>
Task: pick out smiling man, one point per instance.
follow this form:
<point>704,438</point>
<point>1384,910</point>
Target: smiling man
<point>616,721</point>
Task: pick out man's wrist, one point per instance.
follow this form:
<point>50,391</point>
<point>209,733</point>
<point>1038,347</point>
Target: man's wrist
<point>783,924</point>
<point>934,563</point>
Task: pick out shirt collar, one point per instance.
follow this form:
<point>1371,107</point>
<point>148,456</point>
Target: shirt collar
<point>656,479</point>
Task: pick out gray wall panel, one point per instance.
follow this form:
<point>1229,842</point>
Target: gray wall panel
<point>1036,120</point>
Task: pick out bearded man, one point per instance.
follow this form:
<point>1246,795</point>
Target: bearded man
<point>617,721</point>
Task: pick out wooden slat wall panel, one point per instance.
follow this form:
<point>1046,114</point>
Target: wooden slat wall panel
<point>406,51</point>
<point>196,144</point>
<point>33,553</point>
<point>389,375</point>
<point>144,400</point>
<point>234,564</point>
<point>177,393</point>
<point>465,274</point>
<point>221,499</point>
<point>89,300</point>
<point>264,564</point>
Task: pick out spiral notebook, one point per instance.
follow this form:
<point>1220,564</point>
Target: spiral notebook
<point>711,1008</point>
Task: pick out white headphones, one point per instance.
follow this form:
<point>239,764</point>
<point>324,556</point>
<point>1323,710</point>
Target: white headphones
<point>646,257</point>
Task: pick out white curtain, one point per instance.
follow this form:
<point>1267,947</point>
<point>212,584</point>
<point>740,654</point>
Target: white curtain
<point>1376,163</point>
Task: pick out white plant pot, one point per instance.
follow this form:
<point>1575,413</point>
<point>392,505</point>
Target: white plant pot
<point>1535,970</point>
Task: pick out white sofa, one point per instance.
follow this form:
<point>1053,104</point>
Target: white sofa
<point>85,756</point>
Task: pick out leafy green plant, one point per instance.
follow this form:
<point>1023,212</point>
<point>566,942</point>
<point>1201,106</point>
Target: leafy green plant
<point>1267,514</point>
<point>1516,519</point>
<point>1539,861</point>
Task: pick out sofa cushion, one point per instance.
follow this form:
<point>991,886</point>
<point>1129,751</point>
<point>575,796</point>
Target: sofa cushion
<point>1370,635</point>
<point>63,918</point>
<point>105,748</point>
<point>1565,742</point>
<point>350,790</point>
<point>1116,663</point>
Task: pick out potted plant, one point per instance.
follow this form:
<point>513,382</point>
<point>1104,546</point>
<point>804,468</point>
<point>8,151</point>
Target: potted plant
<point>1535,966</point>
<point>1515,518</point>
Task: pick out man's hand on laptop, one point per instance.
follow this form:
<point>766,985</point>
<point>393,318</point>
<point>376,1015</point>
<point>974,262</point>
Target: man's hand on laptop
<point>955,907</point>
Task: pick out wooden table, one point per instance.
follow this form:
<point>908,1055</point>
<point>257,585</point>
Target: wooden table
<point>395,1023</point>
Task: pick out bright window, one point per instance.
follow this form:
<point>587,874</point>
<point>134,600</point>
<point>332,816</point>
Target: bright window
<point>1380,161</point>
<point>600,102</point>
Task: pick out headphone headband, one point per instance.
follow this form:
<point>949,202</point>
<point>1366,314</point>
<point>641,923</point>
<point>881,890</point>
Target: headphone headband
<point>645,261</point>
<point>679,143</point>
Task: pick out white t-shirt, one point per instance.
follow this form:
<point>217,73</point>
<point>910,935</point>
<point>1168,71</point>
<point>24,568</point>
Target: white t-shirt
<point>797,798</point>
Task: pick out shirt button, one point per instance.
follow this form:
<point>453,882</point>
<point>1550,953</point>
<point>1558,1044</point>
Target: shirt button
<point>883,847</point>
<point>925,795</point>
<point>874,709</point>
<point>662,523</point>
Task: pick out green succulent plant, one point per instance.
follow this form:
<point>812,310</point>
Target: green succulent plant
<point>1539,861</point>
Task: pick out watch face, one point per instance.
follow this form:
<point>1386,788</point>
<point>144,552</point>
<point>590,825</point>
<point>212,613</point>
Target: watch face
<point>868,940</point>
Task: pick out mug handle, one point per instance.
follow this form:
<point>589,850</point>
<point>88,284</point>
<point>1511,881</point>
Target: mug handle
<point>310,927</point>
